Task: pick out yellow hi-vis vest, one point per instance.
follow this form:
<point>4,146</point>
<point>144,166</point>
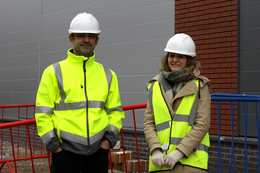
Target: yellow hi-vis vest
<point>171,131</point>
<point>77,105</point>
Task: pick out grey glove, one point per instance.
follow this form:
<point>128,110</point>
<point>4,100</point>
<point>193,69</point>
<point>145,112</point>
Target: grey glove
<point>172,158</point>
<point>157,157</point>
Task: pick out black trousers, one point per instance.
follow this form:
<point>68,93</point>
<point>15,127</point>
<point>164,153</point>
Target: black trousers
<point>67,162</point>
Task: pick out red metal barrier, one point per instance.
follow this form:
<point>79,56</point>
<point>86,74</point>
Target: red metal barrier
<point>31,143</point>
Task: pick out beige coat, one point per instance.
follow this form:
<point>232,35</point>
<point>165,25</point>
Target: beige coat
<point>192,140</point>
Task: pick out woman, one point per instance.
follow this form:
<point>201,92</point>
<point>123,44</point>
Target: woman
<point>177,117</point>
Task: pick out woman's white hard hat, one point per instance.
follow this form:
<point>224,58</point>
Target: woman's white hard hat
<point>181,44</point>
<point>84,23</point>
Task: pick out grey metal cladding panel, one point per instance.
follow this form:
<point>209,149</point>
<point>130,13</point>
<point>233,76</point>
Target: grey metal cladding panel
<point>19,73</point>
<point>17,98</point>
<point>66,12</point>
<point>20,12</point>
<point>248,3</point>
<point>19,61</point>
<point>135,16</point>
<point>56,30</point>
<point>14,86</point>
<point>55,44</point>
<point>19,25</point>
<point>249,59</point>
<point>249,38</point>
<point>135,33</point>
<point>19,49</point>
<point>49,58</point>
<point>139,118</point>
<point>10,4</point>
<point>249,16</point>
<point>149,48</point>
<point>133,83</point>
<point>134,66</point>
<point>50,5</point>
<point>19,37</point>
<point>248,81</point>
<point>133,98</point>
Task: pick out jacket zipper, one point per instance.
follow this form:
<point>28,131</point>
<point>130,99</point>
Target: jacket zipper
<point>85,88</point>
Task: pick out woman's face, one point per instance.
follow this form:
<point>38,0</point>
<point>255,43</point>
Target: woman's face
<point>176,61</point>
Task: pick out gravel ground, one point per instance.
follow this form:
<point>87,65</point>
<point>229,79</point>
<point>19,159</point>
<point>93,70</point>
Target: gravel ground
<point>24,166</point>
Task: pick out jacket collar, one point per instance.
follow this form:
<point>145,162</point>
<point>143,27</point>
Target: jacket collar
<point>189,88</point>
<point>78,60</point>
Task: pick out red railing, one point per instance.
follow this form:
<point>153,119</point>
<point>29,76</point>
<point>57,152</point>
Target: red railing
<point>31,144</point>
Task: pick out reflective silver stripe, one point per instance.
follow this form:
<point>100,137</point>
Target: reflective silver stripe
<point>74,138</point>
<point>108,76</point>
<point>162,126</point>
<point>193,111</point>
<point>96,104</point>
<point>97,136</point>
<point>203,147</point>
<point>181,118</point>
<point>150,97</point>
<point>188,118</point>
<point>112,109</point>
<point>47,136</point>
<point>43,109</point>
<point>176,141</point>
<point>69,106</point>
<point>78,105</point>
<point>113,129</point>
<point>58,74</point>
<point>82,140</point>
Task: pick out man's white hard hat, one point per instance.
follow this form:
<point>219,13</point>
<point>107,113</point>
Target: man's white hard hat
<point>84,23</point>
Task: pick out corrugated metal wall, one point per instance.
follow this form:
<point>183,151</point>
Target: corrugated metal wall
<point>33,35</point>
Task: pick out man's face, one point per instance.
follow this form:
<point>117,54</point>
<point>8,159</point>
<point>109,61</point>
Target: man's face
<point>84,43</point>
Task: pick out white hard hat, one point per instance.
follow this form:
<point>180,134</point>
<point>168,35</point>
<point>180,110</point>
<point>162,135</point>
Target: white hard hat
<point>84,23</point>
<point>181,44</point>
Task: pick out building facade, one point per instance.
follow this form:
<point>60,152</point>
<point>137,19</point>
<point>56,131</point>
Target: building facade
<point>33,35</point>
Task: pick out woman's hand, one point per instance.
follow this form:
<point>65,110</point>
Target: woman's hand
<point>157,157</point>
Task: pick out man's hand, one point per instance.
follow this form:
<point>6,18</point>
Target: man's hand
<point>157,157</point>
<point>172,158</point>
<point>59,149</point>
<point>105,144</point>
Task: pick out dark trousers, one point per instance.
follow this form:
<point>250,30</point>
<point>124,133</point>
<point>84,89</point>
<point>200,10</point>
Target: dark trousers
<point>67,162</point>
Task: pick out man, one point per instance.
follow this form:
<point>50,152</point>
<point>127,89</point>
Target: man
<point>78,107</point>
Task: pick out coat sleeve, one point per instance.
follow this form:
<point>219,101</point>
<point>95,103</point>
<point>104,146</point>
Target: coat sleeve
<point>201,125</point>
<point>45,98</point>
<point>150,130</point>
<point>114,111</point>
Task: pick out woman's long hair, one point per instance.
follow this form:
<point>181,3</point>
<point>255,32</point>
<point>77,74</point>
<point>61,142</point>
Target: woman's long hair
<point>192,64</point>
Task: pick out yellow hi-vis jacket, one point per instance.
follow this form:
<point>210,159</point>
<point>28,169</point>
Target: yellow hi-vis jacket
<point>78,105</point>
<point>171,131</point>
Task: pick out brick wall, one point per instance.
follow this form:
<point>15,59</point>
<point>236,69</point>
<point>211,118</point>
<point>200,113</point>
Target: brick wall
<point>130,144</point>
<point>239,151</point>
<point>213,26</point>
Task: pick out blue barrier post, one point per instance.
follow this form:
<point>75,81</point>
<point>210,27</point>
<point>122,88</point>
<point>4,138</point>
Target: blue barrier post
<point>219,146</point>
<point>245,98</point>
<point>245,127</point>
<point>233,167</point>
<point>258,133</point>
